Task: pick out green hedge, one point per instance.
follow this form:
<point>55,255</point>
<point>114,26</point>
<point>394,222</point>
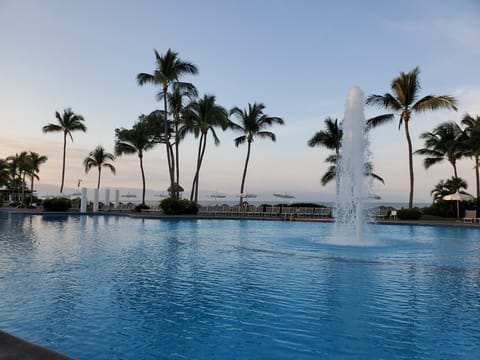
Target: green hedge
<point>56,204</point>
<point>409,214</point>
<point>179,207</point>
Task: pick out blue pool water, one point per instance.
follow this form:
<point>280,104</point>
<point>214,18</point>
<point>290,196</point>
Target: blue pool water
<point>110,287</point>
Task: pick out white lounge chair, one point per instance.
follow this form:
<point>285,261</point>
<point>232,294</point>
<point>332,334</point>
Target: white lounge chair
<point>470,216</point>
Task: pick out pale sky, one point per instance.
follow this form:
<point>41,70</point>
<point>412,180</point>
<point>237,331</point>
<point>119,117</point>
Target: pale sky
<point>300,58</point>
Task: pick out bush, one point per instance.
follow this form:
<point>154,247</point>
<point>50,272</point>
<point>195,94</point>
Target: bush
<point>56,204</point>
<point>179,207</point>
<point>1,202</point>
<point>409,214</point>
<point>140,207</point>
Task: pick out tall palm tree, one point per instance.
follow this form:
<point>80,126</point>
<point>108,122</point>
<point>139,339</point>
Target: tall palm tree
<point>472,143</point>
<point>253,124</point>
<point>34,160</point>
<point>99,158</point>
<point>176,101</point>
<point>4,173</point>
<point>67,123</point>
<point>136,140</point>
<point>169,69</point>
<point>330,138</point>
<point>404,101</point>
<point>444,142</point>
<point>200,118</point>
<point>18,167</point>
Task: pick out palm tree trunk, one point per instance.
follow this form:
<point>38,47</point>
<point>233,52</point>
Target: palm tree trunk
<point>140,156</point>
<point>454,164</point>
<point>167,145</point>
<point>64,156</point>
<point>477,180</point>
<point>192,193</point>
<point>204,146</point>
<point>177,165</point>
<point>31,190</point>
<point>410,163</point>
<point>245,171</point>
<point>99,173</point>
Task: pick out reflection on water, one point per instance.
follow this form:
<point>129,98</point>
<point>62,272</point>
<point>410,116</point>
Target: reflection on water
<point>122,288</point>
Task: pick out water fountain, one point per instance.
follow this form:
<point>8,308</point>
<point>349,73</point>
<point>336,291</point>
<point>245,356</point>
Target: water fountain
<point>353,185</point>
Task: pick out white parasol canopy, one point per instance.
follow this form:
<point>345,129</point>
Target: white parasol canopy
<point>458,197</point>
<point>284,196</point>
<point>247,195</point>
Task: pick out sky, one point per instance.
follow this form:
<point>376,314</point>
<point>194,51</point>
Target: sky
<point>300,58</point>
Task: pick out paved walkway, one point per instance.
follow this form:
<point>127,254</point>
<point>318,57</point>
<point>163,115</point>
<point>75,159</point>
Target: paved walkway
<point>14,348</point>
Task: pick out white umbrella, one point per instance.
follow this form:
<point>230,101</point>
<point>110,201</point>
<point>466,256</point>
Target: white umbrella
<point>247,195</point>
<point>458,197</point>
<point>284,196</point>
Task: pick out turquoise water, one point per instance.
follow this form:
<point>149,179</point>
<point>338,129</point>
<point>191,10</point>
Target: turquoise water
<point>110,287</point>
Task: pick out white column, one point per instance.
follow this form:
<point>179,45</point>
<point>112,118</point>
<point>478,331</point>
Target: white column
<point>107,199</point>
<point>117,199</point>
<point>95,200</point>
<point>83,203</point>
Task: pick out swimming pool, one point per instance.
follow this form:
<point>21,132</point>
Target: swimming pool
<point>115,287</point>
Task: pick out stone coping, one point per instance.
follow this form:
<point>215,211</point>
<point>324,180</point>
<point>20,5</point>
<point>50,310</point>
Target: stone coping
<point>13,348</point>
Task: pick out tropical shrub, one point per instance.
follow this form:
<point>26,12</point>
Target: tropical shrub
<point>140,207</point>
<point>179,207</point>
<point>409,214</point>
<point>56,204</point>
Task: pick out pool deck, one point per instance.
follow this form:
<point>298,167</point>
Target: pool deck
<point>158,215</point>
<point>13,348</point>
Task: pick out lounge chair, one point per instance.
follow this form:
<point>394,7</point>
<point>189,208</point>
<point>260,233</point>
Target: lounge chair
<point>470,216</point>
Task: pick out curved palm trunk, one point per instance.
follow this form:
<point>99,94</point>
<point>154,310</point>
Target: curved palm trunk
<point>410,163</point>
<point>204,146</point>
<point>99,174</point>
<point>31,190</point>
<point>173,193</point>
<point>197,170</point>
<point>177,163</point>
<point>477,181</point>
<point>140,156</point>
<point>454,164</point>
<point>245,170</point>
<point>63,165</point>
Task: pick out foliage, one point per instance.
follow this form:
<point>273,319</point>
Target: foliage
<point>441,208</point>
<point>409,214</point>
<point>403,101</point>
<point>140,207</point>
<point>56,204</point>
<point>66,123</point>
<point>179,207</point>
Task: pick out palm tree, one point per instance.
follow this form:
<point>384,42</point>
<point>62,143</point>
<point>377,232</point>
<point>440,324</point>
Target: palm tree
<point>18,167</point>
<point>404,101</point>
<point>99,158</point>
<point>67,123</point>
<point>34,160</point>
<point>176,102</point>
<point>472,143</point>
<point>200,118</point>
<point>253,124</point>
<point>447,187</point>
<point>136,140</point>
<point>330,138</point>
<point>169,69</point>
<point>331,173</point>
<point>4,173</point>
<point>445,142</point>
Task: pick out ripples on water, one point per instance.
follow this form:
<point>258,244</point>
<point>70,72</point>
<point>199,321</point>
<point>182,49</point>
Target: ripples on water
<point>122,288</point>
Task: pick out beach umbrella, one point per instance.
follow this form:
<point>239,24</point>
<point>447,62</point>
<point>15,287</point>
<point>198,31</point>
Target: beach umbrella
<point>284,196</point>
<point>458,197</point>
<point>247,195</point>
